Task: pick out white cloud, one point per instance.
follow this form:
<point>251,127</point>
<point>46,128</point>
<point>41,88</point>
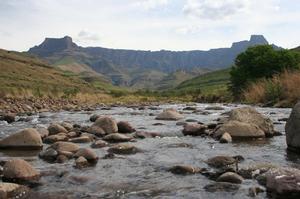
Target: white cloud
<point>150,4</point>
<point>216,9</point>
<point>87,35</point>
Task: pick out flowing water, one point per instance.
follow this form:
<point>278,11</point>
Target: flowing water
<point>145,175</point>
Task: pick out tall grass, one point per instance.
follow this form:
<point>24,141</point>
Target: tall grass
<point>283,88</point>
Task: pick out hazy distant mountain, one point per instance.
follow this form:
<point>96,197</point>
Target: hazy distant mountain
<point>129,67</point>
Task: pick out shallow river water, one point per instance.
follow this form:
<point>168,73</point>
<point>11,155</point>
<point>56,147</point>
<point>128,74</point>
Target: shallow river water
<point>145,175</point>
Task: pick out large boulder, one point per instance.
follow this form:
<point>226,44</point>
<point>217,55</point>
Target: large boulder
<point>19,170</point>
<point>282,182</point>
<point>108,124</point>
<point>292,129</point>
<point>27,138</point>
<point>239,130</point>
<point>252,116</point>
<point>169,114</point>
<point>11,190</point>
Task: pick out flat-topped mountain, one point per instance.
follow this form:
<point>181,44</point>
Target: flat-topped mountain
<point>125,67</point>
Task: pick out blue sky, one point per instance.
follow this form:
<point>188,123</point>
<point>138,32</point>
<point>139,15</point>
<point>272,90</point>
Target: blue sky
<point>149,24</point>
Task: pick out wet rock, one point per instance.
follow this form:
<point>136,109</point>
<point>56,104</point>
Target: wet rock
<point>251,116</point>
<point>9,117</point>
<point>214,108</point>
<point>27,138</point>
<point>96,130</point>
<point>223,161</point>
<point>124,149</point>
<point>43,132</point>
<point>230,177</point>
<point>88,154</point>
<point>117,137</point>
<point>292,129</point>
<point>72,134</point>
<point>48,154</point>
<point>143,134</point>
<point>94,117</point>
<point>125,127</point>
<point>18,170</point>
<point>191,120</point>
<point>56,129</point>
<point>67,154</point>
<point>181,123</point>
<point>81,162</point>
<point>109,125</point>
<point>226,138</point>
<point>253,171</point>
<point>65,146</point>
<point>254,191</point>
<point>11,190</point>
<point>190,108</point>
<point>56,138</point>
<point>67,125</point>
<point>99,144</point>
<point>194,129</point>
<point>185,169</point>
<point>169,114</point>
<point>61,159</point>
<point>81,139</point>
<point>212,125</point>
<point>222,186</point>
<point>240,130</point>
<point>158,124</point>
<point>283,182</point>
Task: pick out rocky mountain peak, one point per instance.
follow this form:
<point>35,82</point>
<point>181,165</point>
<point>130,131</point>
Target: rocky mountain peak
<point>53,45</point>
<point>258,39</point>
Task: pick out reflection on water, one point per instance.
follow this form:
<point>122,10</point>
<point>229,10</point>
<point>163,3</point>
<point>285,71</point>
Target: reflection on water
<point>144,175</point>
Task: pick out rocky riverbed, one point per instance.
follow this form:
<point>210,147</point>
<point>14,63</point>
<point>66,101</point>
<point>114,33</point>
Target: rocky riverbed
<point>166,151</point>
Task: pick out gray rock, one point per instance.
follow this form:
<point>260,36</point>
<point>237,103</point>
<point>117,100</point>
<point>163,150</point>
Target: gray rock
<point>292,130</point>
<point>230,177</point>
<point>11,190</point>
<point>240,130</point>
<point>125,127</point>
<point>99,144</point>
<point>124,149</point>
<point>56,129</point>
<point>226,138</point>
<point>117,137</point>
<point>194,129</point>
<point>19,170</point>
<point>169,114</point>
<point>251,116</point>
<point>283,182</point>
<point>27,138</point>
<point>109,125</point>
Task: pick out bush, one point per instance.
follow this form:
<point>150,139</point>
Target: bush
<point>260,62</point>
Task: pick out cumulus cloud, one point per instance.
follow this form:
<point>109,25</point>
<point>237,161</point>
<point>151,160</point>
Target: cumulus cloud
<point>150,4</point>
<point>86,35</point>
<point>214,10</point>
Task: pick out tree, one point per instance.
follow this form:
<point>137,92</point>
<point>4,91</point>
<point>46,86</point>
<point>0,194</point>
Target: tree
<point>260,62</point>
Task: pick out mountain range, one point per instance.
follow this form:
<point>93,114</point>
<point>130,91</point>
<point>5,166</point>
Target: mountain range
<point>138,68</point>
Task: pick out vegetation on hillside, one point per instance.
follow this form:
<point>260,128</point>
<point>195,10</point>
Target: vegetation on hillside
<point>260,62</point>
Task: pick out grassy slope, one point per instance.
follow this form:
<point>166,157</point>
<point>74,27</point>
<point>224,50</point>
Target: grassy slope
<point>21,73</point>
<point>209,83</point>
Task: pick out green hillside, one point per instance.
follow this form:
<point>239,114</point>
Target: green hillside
<point>22,74</point>
<point>210,83</point>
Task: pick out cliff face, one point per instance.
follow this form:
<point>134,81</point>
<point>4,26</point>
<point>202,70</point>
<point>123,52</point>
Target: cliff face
<point>122,66</point>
